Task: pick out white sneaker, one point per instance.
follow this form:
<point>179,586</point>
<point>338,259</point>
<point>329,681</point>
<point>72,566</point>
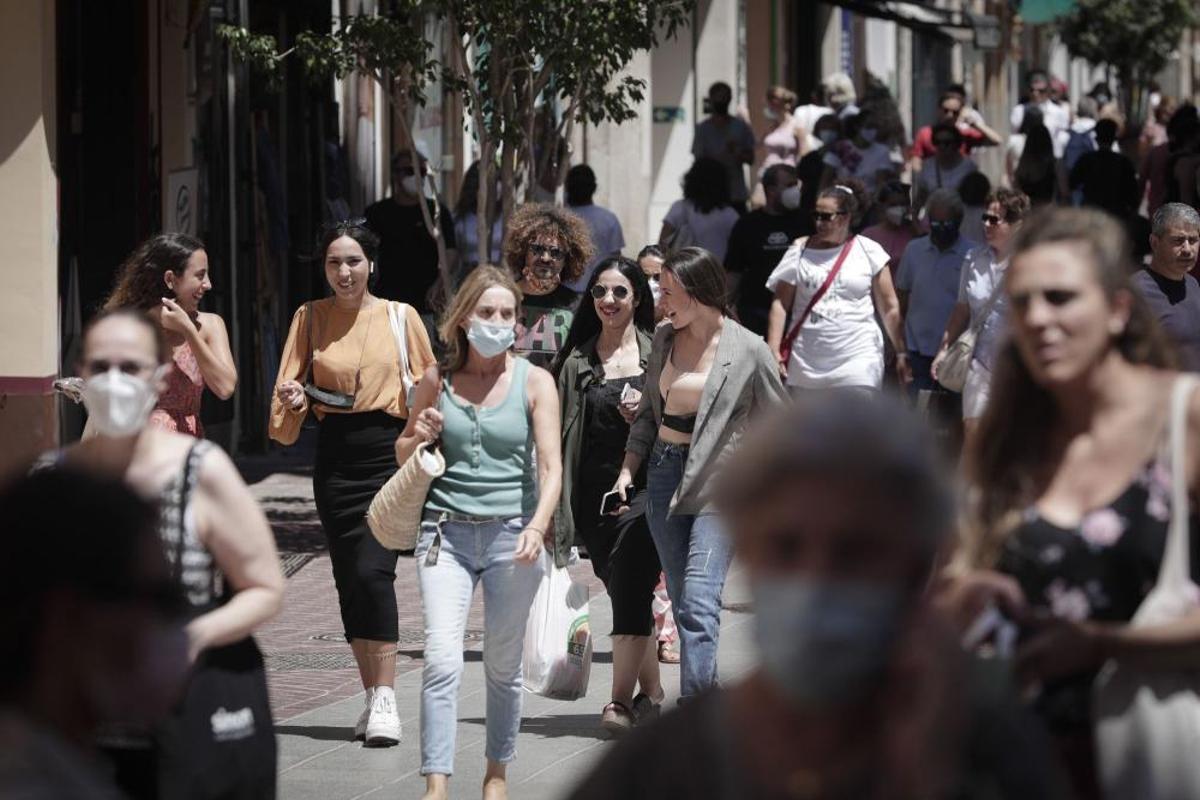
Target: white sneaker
<point>360,727</point>
<point>383,724</point>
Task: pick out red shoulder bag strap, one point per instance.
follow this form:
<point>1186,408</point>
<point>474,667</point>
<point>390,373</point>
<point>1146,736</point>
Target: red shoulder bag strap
<point>785,347</point>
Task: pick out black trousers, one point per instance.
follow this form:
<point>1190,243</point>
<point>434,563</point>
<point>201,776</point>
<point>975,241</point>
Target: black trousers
<point>355,457</point>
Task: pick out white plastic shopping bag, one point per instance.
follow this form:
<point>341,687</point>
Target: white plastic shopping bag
<point>558,640</point>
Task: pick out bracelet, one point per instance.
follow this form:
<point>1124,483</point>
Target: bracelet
<point>542,531</point>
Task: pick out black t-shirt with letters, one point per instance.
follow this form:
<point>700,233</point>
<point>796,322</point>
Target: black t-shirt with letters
<point>757,243</point>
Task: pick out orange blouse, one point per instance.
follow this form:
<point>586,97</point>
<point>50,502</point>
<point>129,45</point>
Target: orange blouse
<point>353,351</point>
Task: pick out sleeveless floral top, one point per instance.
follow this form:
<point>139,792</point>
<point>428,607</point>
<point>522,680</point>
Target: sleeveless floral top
<point>178,406</point>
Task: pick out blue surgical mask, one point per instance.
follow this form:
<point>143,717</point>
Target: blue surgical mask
<point>868,134</point>
<point>827,136</point>
<point>824,643</point>
<point>490,340</point>
<point>943,234</point>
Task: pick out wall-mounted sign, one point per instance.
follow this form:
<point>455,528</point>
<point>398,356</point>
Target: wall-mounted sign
<point>668,114</point>
<point>181,201</point>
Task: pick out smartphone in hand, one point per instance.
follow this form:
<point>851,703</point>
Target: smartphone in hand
<point>612,501</point>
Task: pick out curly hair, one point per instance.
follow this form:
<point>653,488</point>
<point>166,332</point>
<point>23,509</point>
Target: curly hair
<point>540,219</point>
<point>140,280</point>
<point>853,202</point>
<point>1013,203</point>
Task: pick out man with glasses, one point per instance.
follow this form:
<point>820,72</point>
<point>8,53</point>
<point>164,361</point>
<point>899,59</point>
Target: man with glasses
<point>1055,116</point>
<point>408,259</point>
<point>1167,285</point>
<point>758,240</point>
<point>953,108</point>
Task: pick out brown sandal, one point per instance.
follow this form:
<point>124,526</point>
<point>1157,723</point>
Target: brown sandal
<point>666,655</point>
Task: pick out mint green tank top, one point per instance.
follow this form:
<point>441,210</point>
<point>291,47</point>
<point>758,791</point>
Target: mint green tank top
<point>489,454</point>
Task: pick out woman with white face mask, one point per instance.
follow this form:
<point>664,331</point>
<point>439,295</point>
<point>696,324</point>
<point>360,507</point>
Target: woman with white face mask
<point>210,526</point>
<point>486,518</point>
<point>343,362</point>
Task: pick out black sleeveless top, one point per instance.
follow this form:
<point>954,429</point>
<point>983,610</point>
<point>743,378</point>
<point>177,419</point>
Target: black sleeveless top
<point>1102,569</point>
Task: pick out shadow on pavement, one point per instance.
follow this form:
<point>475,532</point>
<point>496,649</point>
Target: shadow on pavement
<point>553,726</point>
<point>323,733</point>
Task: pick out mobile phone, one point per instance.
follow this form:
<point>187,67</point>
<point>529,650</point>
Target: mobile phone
<point>612,501</point>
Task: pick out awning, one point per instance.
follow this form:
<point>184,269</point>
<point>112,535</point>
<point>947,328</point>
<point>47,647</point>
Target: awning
<point>982,30</point>
<point>1037,12</point>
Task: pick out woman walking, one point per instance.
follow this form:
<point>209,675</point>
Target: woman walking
<point>486,518</point>
<point>166,277</point>
<point>706,378</point>
<point>221,548</point>
<point>981,303</point>
<point>1073,478</point>
<point>601,376</point>
<point>829,288</point>
<point>342,362</point>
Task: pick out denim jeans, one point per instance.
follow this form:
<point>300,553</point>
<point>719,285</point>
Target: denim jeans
<point>695,553</point>
<point>449,566</point>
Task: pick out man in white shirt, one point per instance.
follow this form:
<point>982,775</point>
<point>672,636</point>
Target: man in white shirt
<point>1056,117</point>
<point>604,225</point>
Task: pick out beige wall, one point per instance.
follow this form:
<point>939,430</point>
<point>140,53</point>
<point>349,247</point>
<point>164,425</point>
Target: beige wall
<point>29,228</point>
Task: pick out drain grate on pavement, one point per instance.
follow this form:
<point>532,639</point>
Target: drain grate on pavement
<point>291,662</point>
<point>292,562</point>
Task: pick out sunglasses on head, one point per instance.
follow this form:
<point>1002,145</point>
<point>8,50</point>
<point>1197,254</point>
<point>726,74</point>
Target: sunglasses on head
<point>556,253</point>
<point>827,216</point>
<point>619,292</point>
<point>349,222</point>
<point>992,219</point>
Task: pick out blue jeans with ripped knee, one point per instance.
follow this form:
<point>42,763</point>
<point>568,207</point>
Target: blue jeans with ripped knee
<point>695,553</point>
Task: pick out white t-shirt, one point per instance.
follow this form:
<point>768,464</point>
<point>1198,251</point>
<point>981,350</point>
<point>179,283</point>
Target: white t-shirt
<point>841,343</point>
<point>710,231</point>
<point>606,237</point>
<point>981,274</point>
<point>1055,116</point>
<point>933,177</point>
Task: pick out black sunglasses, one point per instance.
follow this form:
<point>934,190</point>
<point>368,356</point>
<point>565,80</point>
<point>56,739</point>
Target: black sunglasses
<point>342,224</point>
<point>991,219</point>
<point>557,253</point>
<point>826,216</point>
<point>600,292</point>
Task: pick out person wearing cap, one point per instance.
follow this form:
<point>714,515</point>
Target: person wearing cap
<point>838,507</point>
<point>408,256</point>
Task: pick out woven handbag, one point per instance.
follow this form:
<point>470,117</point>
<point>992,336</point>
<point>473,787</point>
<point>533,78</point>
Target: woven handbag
<point>394,515</point>
<point>952,371</point>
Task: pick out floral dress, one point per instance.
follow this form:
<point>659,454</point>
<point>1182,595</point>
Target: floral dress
<point>1100,570</point>
<point>178,407</point>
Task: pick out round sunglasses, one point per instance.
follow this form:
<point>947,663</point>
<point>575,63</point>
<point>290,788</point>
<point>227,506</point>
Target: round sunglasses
<point>619,292</point>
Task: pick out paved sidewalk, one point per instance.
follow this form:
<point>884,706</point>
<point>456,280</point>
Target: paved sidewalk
<point>316,695</point>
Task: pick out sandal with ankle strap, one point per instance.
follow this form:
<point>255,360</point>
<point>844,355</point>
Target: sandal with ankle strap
<point>645,709</point>
<point>617,718</point>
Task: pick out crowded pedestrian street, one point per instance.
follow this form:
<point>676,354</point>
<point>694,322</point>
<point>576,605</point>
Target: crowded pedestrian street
<point>605,399</point>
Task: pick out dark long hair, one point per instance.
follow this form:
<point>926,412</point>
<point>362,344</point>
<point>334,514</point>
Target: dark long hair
<point>701,275</point>
<point>140,283</point>
<point>1037,159</point>
<point>586,324</point>
<point>706,185</point>
<point>1015,433</point>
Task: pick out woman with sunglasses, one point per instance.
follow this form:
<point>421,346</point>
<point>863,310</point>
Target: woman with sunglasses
<point>981,302</point>
<point>166,277</point>
<point>601,375</point>
<point>829,288</point>
<point>546,247</point>
<point>342,362</point>
<point>707,378</point>
<point>215,535</point>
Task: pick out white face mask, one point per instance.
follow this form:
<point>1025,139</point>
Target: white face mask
<point>789,198</point>
<point>490,340</point>
<point>895,214</point>
<point>868,134</point>
<point>409,184</point>
<point>655,290</point>
<point>119,404</point>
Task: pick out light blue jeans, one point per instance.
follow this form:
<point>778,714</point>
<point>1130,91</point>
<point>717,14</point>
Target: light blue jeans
<point>450,562</point>
<point>695,553</point>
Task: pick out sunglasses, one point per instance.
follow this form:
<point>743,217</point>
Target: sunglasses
<point>619,292</point>
<point>827,216</point>
<point>99,366</point>
<point>342,224</point>
<point>556,253</point>
<point>992,219</point>
<point>944,142</point>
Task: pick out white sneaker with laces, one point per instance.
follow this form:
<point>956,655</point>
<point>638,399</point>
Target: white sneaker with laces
<point>360,727</point>
<point>383,724</point>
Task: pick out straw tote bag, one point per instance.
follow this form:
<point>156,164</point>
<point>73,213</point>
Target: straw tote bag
<point>1147,722</point>
<point>394,515</point>
<point>952,372</point>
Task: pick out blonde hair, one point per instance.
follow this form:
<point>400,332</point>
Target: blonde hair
<point>450,330</point>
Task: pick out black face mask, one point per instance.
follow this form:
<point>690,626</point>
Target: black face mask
<point>943,234</point>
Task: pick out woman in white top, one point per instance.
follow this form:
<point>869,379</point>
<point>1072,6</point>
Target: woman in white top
<point>704,217</point>
<point>982,276</point>
<point>838,344</point>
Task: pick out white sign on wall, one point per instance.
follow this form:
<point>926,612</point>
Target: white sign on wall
<point>181,204</point>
